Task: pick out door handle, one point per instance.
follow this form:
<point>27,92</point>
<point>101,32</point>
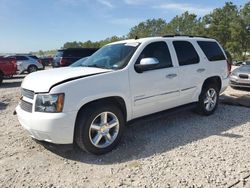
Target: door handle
<point>170,76</point>
<point>200,70</point>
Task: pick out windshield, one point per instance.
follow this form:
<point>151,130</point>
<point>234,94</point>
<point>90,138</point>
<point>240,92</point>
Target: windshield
<point>79,62</point>
<point>115,56</point>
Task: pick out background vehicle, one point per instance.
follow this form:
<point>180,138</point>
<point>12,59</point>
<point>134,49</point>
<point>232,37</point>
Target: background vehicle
<point>46,61</point>
<point>70,55</point>
<point>120,82</point>
<point>240,77</point>
<point>27,63</point>
<point>8,67</point>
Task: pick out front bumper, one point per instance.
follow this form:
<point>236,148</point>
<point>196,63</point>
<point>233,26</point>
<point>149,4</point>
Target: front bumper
<point>238,82</point>
<point>56,128</point>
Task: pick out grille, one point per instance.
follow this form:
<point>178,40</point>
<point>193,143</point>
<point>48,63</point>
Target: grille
<point>239,84</point>
<point>27,93</point>
<point>26,106</point>
<point>243,76</point>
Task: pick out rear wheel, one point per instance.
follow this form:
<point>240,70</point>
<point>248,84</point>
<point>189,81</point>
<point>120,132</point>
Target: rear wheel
<point>99,128</point>
<point>32,68</point>
<point>208,100</point>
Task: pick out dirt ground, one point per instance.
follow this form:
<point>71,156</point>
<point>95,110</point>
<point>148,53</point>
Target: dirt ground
<point>181,150</point>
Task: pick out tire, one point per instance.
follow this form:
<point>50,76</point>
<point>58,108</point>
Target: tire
<point>1,78</point>
<point>208,100</point>
<point>32,68</point>
<point>92,134</point>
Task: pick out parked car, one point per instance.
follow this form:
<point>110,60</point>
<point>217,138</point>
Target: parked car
<point>70,55</point>
<point>27,63</point>
<point>8,68</point>
<point>240,77</point>
<point>46,61</point>
<point>125,80</point>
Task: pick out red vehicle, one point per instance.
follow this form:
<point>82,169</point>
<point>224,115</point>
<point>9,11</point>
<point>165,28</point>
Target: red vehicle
<point>8,67</point>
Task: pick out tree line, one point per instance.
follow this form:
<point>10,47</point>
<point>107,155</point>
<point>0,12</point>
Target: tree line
<point>230,25</point>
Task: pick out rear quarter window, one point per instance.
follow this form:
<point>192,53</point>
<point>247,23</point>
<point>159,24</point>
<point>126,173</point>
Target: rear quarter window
<point>212,50</point>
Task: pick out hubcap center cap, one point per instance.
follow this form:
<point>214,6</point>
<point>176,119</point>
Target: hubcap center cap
<point>104,129</point>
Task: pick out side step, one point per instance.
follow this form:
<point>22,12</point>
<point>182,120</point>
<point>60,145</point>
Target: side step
<point>164,113</point>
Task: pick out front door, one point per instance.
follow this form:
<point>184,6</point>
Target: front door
<point>156,89</point>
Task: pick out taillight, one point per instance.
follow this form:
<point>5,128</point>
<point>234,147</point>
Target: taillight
<point>63,62</point>
<point>40,61</point>
<point>229,67</point>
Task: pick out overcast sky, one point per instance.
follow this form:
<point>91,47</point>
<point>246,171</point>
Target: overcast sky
<point>32,25</point>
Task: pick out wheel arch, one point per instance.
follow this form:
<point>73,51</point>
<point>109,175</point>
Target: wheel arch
<point>117,100</point>
<point>214,80</point>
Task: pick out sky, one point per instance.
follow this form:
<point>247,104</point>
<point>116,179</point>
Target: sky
<point>33,25</point>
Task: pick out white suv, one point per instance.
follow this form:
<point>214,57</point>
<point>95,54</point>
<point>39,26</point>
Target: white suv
<point>27,63</point>
<point>122,81</point>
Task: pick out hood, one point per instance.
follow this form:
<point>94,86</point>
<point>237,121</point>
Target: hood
<point>244,69</point>
<point>42,81</point>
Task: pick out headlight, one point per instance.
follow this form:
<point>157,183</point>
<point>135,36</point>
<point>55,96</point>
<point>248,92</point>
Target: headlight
<point>49,103</point>
<point>234,74</point>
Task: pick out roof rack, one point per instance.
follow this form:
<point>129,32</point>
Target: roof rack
<point>178,35</point>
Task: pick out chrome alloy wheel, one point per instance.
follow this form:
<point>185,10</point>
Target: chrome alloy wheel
<point>104,129</point>
<point>210,99</point>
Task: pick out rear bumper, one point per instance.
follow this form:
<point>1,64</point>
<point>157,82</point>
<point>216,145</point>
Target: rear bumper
<point>224,84</point>
<point>56,128</point>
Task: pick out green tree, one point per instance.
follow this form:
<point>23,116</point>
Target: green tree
<point>149,28</point>
<point>185,24</point>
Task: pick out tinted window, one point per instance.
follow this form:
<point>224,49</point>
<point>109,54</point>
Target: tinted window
<point>212,50</point>
<point>33,56</point>
<point>21,58</point>
<point>78,52</point>
<point>186,53</point>
<point>158,50</point>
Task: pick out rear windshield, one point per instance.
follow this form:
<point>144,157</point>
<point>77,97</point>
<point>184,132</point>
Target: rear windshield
<point>212,50</point>
<point>59,54</point>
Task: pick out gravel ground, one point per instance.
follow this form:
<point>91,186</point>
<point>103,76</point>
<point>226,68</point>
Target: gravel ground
<point>181,150</point>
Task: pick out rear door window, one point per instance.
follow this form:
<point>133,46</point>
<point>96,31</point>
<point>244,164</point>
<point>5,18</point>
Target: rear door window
<point>21,58</point>
<point>212,50</point>
<point>186,53</point>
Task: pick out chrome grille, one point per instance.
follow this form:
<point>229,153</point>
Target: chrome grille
<point>26,106</point>
<point>27,93</point>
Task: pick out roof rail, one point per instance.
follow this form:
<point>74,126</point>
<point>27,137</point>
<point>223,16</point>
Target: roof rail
<point>178,35</point>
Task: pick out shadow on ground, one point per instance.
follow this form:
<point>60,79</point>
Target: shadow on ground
<point>11,84</point>
<point>236,99</point>
<point>3,105</point>
<point>146,138</point>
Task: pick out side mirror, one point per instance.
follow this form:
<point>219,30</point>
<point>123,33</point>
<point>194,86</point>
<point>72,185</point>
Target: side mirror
<point>146,64</point>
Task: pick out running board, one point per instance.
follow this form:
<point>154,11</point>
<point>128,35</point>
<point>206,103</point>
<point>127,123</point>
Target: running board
<point>164,113</point>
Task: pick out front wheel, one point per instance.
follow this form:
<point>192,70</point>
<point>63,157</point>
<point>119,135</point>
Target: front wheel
<point>208,100</point>
<point>99,128</point>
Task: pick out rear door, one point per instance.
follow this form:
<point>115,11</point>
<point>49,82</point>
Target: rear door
<point>191,69</point>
